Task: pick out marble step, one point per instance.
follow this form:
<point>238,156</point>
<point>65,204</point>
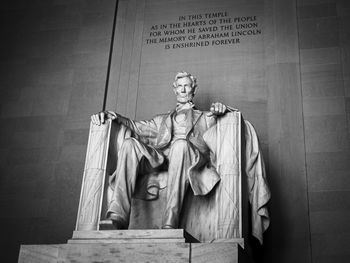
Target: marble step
<point>133,236</point>
<point>221,252</point>
<point>135,245</point>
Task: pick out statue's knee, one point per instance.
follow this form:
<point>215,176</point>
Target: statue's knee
<point>129,143</point>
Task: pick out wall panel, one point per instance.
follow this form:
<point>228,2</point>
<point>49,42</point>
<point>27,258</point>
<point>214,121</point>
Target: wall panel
<point>323,45</point>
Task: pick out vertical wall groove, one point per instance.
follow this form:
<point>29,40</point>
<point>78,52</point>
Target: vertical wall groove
<point>303,123</point>
<point>110,56</point>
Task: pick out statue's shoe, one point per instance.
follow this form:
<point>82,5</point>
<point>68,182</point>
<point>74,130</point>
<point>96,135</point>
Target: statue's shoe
<point>117,220</point>
<point>168,227</point>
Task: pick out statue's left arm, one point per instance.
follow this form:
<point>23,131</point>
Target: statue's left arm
<point>258,190</point>
<point>217,109</point>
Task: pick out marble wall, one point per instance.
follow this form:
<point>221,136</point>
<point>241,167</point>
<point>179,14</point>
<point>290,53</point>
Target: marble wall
<point>324,57</point>
<point>288,238</point>
<point>53,63</point>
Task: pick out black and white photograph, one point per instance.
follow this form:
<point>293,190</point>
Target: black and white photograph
<point>198,131</point>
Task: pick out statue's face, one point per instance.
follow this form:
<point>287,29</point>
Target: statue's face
<point>184,91</point>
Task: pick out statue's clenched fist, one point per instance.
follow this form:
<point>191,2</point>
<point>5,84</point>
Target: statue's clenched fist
<point>217,109</point>
<point>101,117</point>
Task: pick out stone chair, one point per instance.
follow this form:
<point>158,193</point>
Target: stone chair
<point>220,215</point>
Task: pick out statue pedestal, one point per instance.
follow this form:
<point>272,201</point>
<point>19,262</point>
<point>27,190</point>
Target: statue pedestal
<point>153,245</point>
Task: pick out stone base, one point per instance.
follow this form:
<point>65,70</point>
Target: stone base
<point>132,246</point>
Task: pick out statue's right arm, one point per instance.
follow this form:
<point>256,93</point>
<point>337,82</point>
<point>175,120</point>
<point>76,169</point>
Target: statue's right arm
<point>101,117</point>
<point>143,128</point>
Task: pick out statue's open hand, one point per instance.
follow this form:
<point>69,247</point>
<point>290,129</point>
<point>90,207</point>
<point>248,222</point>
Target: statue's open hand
<point>101,117</point>
<point>217,109</point>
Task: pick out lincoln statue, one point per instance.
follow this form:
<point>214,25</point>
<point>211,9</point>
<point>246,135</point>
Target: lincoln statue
<point>172,141</point>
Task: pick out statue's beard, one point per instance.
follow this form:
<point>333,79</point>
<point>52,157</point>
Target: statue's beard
<point>185,99</point>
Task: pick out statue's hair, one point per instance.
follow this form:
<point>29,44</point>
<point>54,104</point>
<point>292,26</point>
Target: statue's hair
<point>184,74</point>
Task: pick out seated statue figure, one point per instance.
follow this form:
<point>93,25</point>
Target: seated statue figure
<point>173,141</point>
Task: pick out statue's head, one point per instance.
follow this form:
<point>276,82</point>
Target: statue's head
<point>185,86</point>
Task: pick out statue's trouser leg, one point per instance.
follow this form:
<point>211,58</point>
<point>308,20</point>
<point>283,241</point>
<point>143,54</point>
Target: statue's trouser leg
<point>129,157</point>
<point>181,156</point>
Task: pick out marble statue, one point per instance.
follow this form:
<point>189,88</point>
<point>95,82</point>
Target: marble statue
<point>173,141</point>
<point>198,149</point>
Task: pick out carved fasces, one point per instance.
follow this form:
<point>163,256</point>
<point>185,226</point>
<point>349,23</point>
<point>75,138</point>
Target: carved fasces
<point>228,156</point>
<point>94,177</point>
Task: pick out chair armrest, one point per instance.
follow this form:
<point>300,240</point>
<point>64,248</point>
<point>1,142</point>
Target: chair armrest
<point>103,144</point>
